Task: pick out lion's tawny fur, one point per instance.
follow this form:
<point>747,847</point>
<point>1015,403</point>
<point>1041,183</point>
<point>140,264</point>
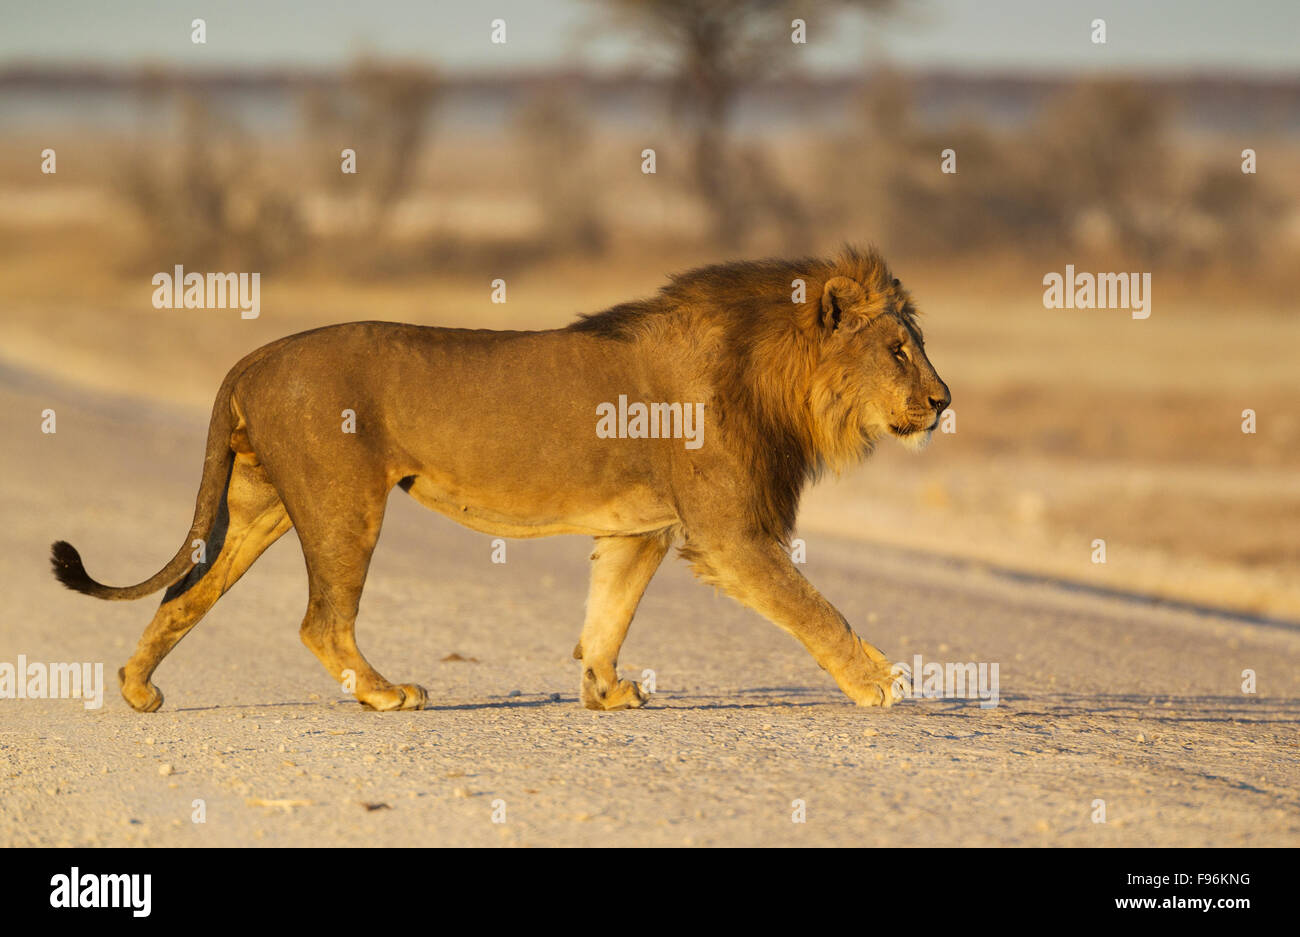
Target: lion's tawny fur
<point>795,366</point>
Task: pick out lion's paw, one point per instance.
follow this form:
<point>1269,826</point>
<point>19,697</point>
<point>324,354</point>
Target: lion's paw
<point>873,684</point>
<point>625,694</point>
<point>395,697</point>
<point>142,697</point>
<point>883,694</point>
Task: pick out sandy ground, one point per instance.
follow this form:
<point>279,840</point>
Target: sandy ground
<point>1102,698</point>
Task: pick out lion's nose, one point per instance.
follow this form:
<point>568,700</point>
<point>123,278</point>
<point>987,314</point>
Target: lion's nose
<point>941,403</point>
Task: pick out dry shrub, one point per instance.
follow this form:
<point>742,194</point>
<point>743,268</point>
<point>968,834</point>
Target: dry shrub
<point>203,200</point>
<point>1098,172</point>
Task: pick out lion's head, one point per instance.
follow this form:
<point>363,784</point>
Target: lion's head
<point>872,377</point>
<point>810,362</point>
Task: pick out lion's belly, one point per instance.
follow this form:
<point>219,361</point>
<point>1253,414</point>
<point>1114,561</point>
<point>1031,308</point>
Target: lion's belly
<point>518,515</point>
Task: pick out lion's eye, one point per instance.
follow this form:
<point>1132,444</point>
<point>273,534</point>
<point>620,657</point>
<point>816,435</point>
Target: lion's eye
<point>899,353</point>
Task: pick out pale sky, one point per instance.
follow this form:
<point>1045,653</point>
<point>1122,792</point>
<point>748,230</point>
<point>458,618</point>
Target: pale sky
<point>1245,36</point>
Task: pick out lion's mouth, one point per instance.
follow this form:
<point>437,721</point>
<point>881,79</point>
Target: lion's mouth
<point>911,429</point>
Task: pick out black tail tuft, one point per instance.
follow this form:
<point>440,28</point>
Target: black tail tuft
<point>69,570</point>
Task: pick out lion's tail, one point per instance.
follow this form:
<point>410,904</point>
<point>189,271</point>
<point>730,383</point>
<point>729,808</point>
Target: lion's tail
<point>217,464</point>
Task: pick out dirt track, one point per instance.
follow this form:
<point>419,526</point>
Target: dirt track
<point>1101,697</point>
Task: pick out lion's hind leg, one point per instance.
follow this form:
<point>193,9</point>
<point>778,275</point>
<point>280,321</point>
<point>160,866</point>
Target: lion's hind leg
<point>337,541</point>
<point>621,569</point>
<point>251,519</point>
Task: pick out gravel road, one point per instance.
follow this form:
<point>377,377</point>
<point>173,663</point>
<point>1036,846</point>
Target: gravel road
<point>1101,698</point>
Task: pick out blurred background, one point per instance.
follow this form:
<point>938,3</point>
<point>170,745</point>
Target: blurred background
<point>479,159</point>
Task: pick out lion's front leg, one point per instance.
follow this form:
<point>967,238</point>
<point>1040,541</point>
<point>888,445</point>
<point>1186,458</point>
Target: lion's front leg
<point>621,568</point>
<point>758,573</point>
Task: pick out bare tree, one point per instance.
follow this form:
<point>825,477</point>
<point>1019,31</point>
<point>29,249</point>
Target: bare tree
<point>716,48</point>
<point>395,118</point>
<point>555,141</point>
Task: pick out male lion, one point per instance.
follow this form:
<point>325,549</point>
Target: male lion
<point>498,431</point>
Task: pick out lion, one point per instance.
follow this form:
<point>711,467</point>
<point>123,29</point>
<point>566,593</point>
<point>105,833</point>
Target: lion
<point>796,367</point>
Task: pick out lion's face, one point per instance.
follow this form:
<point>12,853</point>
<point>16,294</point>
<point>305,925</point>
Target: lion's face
<point>874,366</point>
<point>906,396</point>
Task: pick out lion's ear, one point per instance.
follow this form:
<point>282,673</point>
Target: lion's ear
<point>839,296</point>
